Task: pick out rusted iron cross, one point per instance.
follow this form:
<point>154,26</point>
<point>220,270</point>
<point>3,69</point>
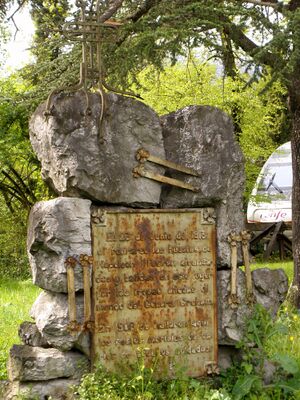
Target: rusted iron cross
<point>87,30</point>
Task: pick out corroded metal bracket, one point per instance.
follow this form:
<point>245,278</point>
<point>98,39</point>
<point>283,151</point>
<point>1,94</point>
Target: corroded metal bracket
<point>141,171</point>
<point>246,236</point>
<point>143,155</point>
<point>70,265</point>
<point>73,327</point>
<point>233,239</point>
<point>86,262</point>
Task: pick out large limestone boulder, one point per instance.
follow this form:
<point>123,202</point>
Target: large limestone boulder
<point>202,137</point>
<point>74,161</point>
<point>51,315</point>
<point>28,363</point>
<point>269,288</point>
<point>58,229</point>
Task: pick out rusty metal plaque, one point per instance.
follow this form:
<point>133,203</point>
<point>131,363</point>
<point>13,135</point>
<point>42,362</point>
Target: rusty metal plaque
<point>154,289</point>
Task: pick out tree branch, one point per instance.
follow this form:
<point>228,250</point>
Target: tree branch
<point>12,192</point>
<point>112,9</point>
<point>246,44</point>
<point>293,5</point>
<point>17,189</point>
<point>142,10</point>
<point>26,188</point>
<point>17,10</point>
<point>7,201</point>
<point>11,17</point>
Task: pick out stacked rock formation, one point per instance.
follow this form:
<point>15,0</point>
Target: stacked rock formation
<point>85,174</point>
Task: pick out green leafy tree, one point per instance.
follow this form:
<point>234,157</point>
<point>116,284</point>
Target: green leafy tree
<point>20,182</point>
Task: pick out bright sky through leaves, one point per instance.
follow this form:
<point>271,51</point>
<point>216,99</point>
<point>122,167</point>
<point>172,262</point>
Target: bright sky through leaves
<point>17,49</point>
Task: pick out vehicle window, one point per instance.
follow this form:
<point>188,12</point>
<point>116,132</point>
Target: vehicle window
<point>276,181</point>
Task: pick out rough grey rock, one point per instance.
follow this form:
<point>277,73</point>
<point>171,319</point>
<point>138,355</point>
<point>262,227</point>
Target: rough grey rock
<point>58,229</point>
<point>50,312</point>
<point>269,372</point>
<point>76,164</point>
<point>202,137</point>
<point>56,389</point>
<point>232,321</point>
<point>4,389</point>
<point>30,335</point>
<point>227,355</point>
<point>28,363</point>
<point>271,288</point>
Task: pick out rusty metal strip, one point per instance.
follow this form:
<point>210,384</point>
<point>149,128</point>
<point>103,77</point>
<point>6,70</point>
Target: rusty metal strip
<point>141,171</point>
<point>86,263</point>
<point>245,236</point>
<point>143,155</point>
<point>233,298</point>
<point>70,265</point>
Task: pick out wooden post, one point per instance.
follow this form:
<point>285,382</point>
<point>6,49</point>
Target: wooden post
<point>271,244</point>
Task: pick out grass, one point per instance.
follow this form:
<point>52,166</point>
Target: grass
<point>141,385</point>
<point>16,299</point>
<point>286,336</point>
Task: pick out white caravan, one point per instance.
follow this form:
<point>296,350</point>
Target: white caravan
<point>271,198</point>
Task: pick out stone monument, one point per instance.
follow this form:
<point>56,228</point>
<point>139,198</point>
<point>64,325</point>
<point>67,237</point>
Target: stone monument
<point>133,253</point>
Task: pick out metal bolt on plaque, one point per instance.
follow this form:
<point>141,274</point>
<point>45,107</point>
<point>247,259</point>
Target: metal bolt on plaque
<point>212,368</point>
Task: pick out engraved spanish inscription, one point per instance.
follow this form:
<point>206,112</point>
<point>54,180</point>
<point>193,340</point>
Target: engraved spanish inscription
<point>154,289</point>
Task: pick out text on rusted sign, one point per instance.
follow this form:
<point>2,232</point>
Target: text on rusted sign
<point>154,289</point>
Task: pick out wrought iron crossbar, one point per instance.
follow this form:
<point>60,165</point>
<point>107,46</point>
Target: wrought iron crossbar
<point>88,30</point>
